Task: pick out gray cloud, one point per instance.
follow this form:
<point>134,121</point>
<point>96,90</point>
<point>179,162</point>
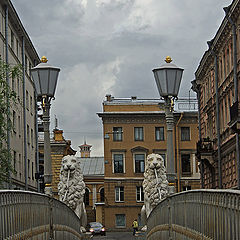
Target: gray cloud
<point>111,46</point>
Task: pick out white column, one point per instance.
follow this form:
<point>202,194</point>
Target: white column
<point>194,163</point>
<point>94,195</point>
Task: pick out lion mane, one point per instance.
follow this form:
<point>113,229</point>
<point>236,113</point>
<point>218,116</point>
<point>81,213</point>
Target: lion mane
<point>155,189</point>
<point>151,184</point>
<point>71,187</point>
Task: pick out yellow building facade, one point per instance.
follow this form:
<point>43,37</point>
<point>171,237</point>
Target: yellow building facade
<point>134,128</point>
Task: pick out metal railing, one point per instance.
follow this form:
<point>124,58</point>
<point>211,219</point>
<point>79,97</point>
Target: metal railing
<point>29,215</point>
<point>197,214</point>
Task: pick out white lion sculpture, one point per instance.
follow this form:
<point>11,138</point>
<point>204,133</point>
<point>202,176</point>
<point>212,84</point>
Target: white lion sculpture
<point>155,185</point>
<point>71,188</point>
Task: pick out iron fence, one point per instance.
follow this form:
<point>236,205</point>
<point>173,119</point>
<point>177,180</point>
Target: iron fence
<point>197,214</point>
<point>29,215</point>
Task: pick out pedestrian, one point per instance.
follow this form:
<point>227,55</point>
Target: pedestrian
<point>135,226</point>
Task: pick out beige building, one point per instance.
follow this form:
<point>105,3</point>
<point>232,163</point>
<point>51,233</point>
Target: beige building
<point>20,50</point>
<point>134,128</point>
<point>92,169</point>
<point>93,175</point>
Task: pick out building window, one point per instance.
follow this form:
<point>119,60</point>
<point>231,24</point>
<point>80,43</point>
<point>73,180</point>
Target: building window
<point>138,133</point>
<point>118,163</point>
<point>119,194</point>
<point>17,47</point>
<point>140,194</point>
<point>12,40</point>
<point>186,164</point>
<point>31,103</point>
<point>29,68</point>
<point>28,132</point>
<point>117,134</point>
<point>14,122</point>
<point>102,197</point>
<point>228,63</point>
<point>28,167</point>
<point>19,126</point>
<point>185,133</point>
<point>32,171</point>
<point>20,165</point>
<point>159,133</point>
<point>120,220</point>
<point>26,61</point>
<point>224,65</point>
<point>139,163</point>
<point>86,197</point>
<point>14,160</point>
<point>27,100</point>
<point>18,86</point>
<point>186,188</point>
<point>13,84</point>
<point>32,140</point>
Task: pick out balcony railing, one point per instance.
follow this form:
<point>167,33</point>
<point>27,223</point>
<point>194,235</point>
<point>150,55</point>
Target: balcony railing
<point>205,146</point>
<point>234,123</point>
<point>234,112</point>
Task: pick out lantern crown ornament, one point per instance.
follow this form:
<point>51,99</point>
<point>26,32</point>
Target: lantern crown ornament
<point>168,59</point>
<point>45,78</point>
<point>168,78</point>
<point>44,59</point>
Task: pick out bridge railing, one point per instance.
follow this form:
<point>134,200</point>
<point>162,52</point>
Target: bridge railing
<point>29,215</point>
<point>197,214</point>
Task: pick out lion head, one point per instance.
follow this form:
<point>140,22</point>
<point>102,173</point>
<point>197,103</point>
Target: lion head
<point>155,188</point>
<point>69,163</point>
<point>71,187</point>
<point>154,161</point>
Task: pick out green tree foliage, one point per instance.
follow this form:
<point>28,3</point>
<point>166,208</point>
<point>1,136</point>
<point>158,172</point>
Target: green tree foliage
<point>8,97</point>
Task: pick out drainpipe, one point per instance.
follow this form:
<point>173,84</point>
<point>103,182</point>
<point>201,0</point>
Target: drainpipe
<point>178,158</point>
<point>24,115</point>
<point>196,89</point>
<point>37,148</point>
<point>235,80</point>
<point>8,103</point>
<point>217,115</point>
<point>36,134</point>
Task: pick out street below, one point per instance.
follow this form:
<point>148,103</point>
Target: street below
<point>121,236</point>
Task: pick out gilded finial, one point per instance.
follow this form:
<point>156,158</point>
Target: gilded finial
<point>168,59</point>
<point>44,59</point>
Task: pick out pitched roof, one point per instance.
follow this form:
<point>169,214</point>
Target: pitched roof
<point>93,166</point>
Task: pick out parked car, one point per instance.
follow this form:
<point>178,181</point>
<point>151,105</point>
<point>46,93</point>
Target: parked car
<point>96,228</point>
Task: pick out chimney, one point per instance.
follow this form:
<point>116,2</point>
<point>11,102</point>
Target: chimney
<point>58,135</point>
<point>109,97</point>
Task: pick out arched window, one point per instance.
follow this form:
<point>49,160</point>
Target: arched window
<point>102,195</point>
<point>86,197</point>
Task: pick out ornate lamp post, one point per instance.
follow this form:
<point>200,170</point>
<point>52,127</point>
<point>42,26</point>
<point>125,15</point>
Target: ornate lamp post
<point>45,79</point>
<point>168,78</point>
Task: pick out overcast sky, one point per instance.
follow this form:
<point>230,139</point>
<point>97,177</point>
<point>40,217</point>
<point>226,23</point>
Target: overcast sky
<point>110,47</point>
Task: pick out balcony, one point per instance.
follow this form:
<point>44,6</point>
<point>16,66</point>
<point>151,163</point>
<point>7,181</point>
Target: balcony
<point>234,123</point>
<point>205,150</point>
